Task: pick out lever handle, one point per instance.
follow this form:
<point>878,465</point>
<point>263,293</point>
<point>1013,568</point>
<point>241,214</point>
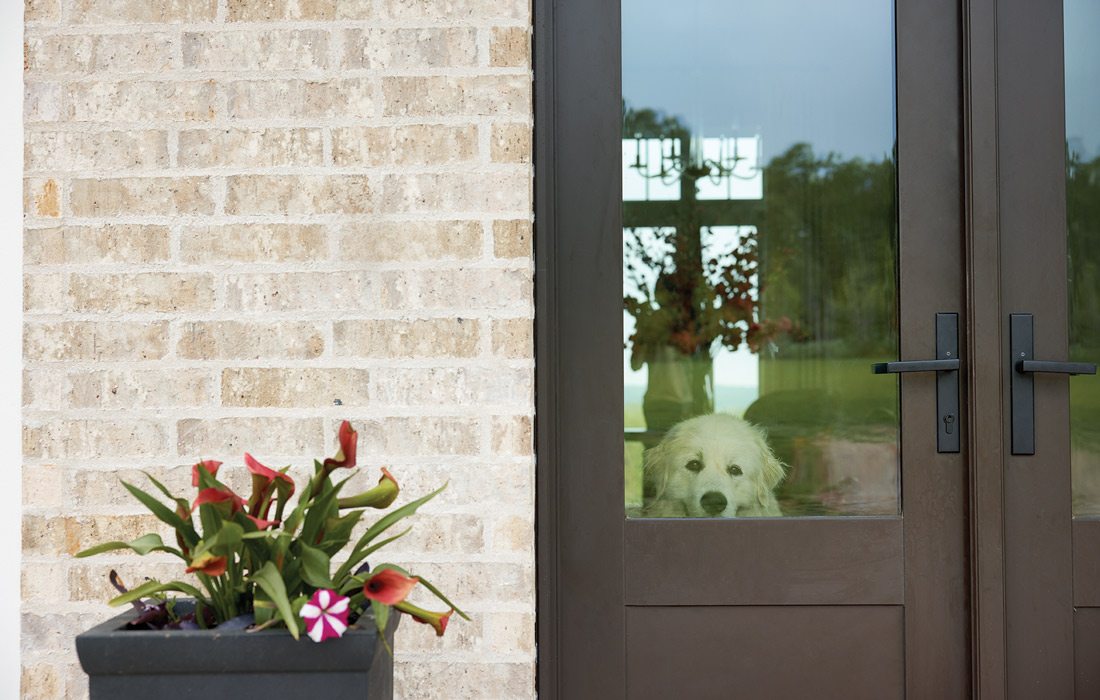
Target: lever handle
<point>916,366</point>
<point>1073,368</point>
<point>947,367</point>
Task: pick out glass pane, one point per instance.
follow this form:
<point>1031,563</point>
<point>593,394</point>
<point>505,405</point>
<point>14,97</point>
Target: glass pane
<point>759,258</point>
<point>1082,22</point>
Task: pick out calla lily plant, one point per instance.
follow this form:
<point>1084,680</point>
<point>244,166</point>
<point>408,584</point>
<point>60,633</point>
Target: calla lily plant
<point>267,560</point>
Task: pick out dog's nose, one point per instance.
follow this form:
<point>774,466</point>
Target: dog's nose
<point>713,502</point>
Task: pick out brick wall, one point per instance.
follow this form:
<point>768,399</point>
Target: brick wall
<point>241,212</point>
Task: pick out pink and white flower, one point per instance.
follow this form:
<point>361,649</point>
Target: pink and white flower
<point>326,615</point>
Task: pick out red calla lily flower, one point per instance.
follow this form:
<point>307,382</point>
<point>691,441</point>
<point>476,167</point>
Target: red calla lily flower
<point>210,465</point>
<point>209,564</point>
<point>388,586</point>
<point>260,523</point>
<point>345,458</point>
<point>263,480</point>
<point>438,621</point>
<point>219,495</point>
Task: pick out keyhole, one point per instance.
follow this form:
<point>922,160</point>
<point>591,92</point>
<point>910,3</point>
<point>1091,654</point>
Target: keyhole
<point>948,422</point>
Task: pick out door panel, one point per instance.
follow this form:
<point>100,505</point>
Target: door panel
<point>627,591</point>
<point>750,652</point>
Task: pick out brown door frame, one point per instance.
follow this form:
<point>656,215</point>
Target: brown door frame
<point>580,543</point>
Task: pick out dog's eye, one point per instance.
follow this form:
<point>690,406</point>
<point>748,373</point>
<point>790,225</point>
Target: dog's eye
<point>734,470</point>
<point>694,466</point>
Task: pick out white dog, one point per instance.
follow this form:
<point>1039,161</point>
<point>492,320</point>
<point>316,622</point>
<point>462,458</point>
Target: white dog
<point>715,466</point>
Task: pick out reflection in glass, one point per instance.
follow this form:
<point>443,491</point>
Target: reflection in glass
<point>760,255</point>
<point>1082,51</point>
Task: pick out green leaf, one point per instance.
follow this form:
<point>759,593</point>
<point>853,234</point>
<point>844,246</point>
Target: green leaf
<point>359,555</point>
<point>338,532</point>
<point>384,523</point>
<point>224,542</point>
<point>321,509</point>
<point>163,513</point>
<point>142,545</point>
<point>151,587</point>
<point>268,579</point>
<point>381,619</point>
<point>315,567</point>
<point>428,584</point>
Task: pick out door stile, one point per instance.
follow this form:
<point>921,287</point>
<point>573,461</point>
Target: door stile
<point>983,333</point>
<point>930,281</point>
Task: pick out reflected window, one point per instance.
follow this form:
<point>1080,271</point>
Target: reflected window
<point>759,258</point>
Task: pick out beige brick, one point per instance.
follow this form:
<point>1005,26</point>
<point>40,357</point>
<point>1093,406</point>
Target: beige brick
<point>163,196</point>
<point>462,636</point>
<point>41,102</point>
<point>304,99</point>
<point>312,387</point>
<point>299,195</point>
<point>110,150</point>
<point>118,11</point>
<point>119,243</point>
<point>510,47</point>
<point>453,11</point>
<point>253,243</point>
<point>512,435</point>
<point>512,239</point>
<point>58,53</point>
<point>94,340</point>
<point>488,95</point>
<point>439,533</point>
<point>42,680</point>
<point>137,52</point>
<point>419,144</point>
<point>45,389</point>
<point>463,289</point>
<point>302,291</point>
<point>277,49</point>
<point>512,632</point>
<point>267,10</point>
<point>62,439</point>
<point>514,533</point>
<point>145,388</point>
<point>239,340</point>
<point>41,10</point>
<point>406,241</point>
<point>147,291</point>
<point>103,491</point>
<point>395,49</point>
<point>42,197</point>
<point>450,192</point>
<point>143,101</point>
<point>278,436</point>
<point>43,582</point>
<point>443,337</point>
<point>47,293</point>
<point>46,486</point>
<point>487,484</point>
<point>511,143</point>
<point>258,10</point>
<point>420,436</point>
<point>252,148</point>
<point>485,582</point>
<point>455,386</point>
<point>513,337</point>
<point>91,582</point>
<point>471,680</point>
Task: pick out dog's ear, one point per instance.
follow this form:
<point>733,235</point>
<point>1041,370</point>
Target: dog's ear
<point>773,471</point>
<point>657,466</point>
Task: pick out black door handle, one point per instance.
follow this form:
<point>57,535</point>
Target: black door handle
<point>915,366</point>
<point>947,366</point>
<point>1022,349</point>
<point>1072,368</point>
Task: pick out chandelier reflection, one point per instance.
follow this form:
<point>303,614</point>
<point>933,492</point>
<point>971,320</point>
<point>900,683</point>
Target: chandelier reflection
<point>693,158</point>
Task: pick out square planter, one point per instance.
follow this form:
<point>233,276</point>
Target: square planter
<point>211,664</point>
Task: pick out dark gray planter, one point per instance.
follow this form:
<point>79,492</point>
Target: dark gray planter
<point>238,665</point>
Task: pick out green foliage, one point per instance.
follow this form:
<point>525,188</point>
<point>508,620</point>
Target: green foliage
<point>248,564</point>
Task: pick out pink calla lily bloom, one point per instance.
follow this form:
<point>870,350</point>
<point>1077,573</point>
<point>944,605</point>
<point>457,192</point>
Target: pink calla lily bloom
<point>210,465</point>
<point>349,440</point>
<point>326,615</point>
<point>263,480</point>
<point>388,586</point>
